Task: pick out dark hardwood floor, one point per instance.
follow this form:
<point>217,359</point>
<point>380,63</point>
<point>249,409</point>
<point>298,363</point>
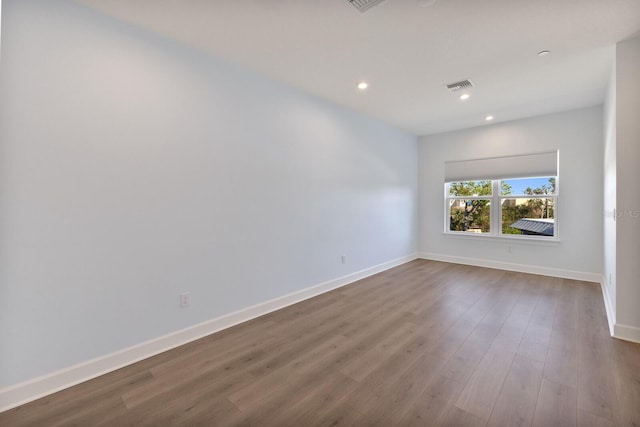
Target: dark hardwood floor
<point>423,344</point>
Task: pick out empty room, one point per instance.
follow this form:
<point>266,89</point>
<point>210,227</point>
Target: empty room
<point>319,213</point>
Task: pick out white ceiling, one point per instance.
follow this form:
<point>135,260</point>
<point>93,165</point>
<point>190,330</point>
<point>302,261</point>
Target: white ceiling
<point>408,53</point>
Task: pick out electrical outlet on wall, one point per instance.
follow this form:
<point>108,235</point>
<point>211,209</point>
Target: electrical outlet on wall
<point>185,300</point>
<point>343,259</point>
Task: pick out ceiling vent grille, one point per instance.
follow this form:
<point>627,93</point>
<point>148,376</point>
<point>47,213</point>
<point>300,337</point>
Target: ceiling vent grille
<point>364,5</point>
<point>461,85</point>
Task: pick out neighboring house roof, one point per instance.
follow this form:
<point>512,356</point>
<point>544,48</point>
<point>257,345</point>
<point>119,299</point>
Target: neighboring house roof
<point>541,226</point>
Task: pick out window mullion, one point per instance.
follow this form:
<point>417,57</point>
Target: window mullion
<point>496,210</point>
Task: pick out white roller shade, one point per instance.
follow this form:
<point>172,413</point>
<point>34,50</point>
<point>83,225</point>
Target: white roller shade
<point>521,166</point>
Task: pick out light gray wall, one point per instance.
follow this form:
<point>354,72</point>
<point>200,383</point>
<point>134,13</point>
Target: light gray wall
<point>627,142</point>
<point>578,137</point>
<point>133,169</point>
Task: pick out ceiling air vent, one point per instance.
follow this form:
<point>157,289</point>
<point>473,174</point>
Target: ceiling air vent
<point>364,5</point>
<point>461,85</point>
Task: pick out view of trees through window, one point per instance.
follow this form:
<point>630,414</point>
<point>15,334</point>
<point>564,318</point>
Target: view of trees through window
<point>470,214</point>
<point>525,206</point>
<point>541,209</point>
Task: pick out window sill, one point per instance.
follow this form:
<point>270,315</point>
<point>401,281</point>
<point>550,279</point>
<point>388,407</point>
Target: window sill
<point>515,239</point>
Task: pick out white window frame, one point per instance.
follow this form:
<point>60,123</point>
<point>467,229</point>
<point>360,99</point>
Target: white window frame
<point>495,201</point>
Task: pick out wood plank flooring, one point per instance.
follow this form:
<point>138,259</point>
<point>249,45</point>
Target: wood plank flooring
<point>423,344</point>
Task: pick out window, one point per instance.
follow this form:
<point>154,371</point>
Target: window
<point>469,206</point>
<point>529,206</point>
<point>503,196</point>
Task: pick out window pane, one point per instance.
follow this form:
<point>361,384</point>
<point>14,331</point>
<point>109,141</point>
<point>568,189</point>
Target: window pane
<point>471,216</point>
<point>528,186</point>
<point>534,217</point>
<point>470,188</point>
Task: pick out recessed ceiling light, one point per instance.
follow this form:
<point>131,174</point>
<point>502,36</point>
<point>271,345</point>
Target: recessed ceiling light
<point>426,3</point>
<point>464,96</point>
<point>488,118</point>
<point>544,53</point>
<point>363,85</point>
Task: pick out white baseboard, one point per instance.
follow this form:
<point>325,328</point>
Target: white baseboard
<point>627,333</point>
<point>25,392</point>
<point>617,330</point>
<point>522,268</point>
